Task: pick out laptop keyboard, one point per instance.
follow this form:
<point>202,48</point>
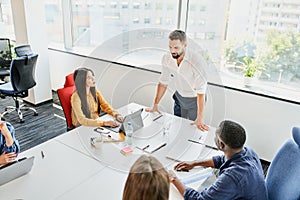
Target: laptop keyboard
<point>114,129</point>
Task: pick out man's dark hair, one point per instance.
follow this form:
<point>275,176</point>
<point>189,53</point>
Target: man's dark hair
<point>232,134</point>
<point>178,35</point>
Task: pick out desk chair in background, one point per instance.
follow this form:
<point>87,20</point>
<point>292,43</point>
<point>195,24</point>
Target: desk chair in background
<point>283,174</point>
<point>64,95</point>
<point>23,50</point>
<point>22,78</point>
<point>5,58</point>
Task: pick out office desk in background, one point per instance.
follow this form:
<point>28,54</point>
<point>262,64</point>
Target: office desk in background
<point>74,169</point>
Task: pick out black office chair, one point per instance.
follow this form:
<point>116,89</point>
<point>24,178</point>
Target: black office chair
<point>23,50</point>
<point>22,78</point>
<point>5,57</point>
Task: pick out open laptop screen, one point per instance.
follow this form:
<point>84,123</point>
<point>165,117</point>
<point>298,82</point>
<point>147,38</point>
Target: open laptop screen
<point>16,169</point>
<point>135,118</point>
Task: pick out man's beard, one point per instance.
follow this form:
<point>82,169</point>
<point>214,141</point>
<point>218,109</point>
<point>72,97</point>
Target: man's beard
<point>177,55</point>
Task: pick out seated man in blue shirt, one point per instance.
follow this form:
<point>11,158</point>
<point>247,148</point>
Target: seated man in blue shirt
<point>9,146</point>
<point>241,175</point>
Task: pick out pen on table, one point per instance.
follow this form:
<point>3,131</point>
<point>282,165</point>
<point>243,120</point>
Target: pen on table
<point>174,159</point>
<point>208,146</point>
<point>43,155</point>
<point>159,147</point>
<point>143,147</point>
<point>156,118</point>
<point>146,147</point>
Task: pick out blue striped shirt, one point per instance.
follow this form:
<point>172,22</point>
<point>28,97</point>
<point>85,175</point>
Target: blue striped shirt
<point>15,147</point>
<point>241,177</point>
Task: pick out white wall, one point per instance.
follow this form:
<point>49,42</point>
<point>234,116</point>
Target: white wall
<point>268,122</point>
<point>30,28</point>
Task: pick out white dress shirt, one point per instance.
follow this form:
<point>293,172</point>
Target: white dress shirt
<point>188,78</point>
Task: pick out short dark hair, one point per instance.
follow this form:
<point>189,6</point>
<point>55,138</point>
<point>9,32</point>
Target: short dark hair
<point>178,35</point>
<point>232,134</point>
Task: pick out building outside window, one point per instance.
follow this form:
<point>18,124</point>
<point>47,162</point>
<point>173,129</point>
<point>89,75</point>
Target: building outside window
<point>6,20</point>
<point>54,21</point>
<point>227,32</point>
<point>270,39</point>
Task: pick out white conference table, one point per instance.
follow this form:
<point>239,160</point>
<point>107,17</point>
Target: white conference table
<point>74,169</point>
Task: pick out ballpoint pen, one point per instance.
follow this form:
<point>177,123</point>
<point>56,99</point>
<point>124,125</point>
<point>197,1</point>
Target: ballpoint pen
<point>159,147</point>
<point>43,155</point>
<point>174,159</point>
<point>156,118</point>
<point>143,149</point>
<point>208,146</point>
<point>146,147</point>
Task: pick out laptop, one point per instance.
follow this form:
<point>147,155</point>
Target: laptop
<point>135,118</point>
<point>15,169</point>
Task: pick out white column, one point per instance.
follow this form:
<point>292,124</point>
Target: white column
<point>67,21</point>
<point>30,28</point>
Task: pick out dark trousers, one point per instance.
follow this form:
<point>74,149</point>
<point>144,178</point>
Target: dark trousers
<point>177,109</point>
<point>185,107</point>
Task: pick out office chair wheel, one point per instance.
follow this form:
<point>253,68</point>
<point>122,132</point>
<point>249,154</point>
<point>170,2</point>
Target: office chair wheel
<point>22,121</point>
<point>35,114</point>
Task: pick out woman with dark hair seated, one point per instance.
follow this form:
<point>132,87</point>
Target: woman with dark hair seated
<point>87,101</point>
<point>147,179</point>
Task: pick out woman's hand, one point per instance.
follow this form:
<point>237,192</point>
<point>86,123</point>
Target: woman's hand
<point>110,123</point>
<point>119,117</point>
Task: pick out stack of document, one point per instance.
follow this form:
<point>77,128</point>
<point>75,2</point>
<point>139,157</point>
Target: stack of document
<point>188,151</point>
<point>197,176</point>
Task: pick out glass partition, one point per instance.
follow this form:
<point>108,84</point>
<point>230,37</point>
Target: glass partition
<point>54,21</point>
<point>6,20</point>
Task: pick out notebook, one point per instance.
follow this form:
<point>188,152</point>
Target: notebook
<point>15,169</point>
<point>135,118</point>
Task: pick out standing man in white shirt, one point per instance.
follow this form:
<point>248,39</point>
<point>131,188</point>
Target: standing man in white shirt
<point>183,70</point>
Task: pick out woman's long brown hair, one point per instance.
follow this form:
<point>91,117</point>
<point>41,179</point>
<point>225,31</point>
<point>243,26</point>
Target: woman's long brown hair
<point>80,84</point>
<point>147,179</point>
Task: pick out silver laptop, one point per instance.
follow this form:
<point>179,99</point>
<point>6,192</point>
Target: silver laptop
<point>135,118</point>
<point>15,169</point>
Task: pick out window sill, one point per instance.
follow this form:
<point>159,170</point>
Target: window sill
<point>224,79</point>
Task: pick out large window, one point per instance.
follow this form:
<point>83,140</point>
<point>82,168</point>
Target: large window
<point>123,31</point>
<point>54,21</point>
<point>95,22</point>
<point>205,25</point>
<point>259,38</point>
<point>6,22</point>
<point>265,34</point>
